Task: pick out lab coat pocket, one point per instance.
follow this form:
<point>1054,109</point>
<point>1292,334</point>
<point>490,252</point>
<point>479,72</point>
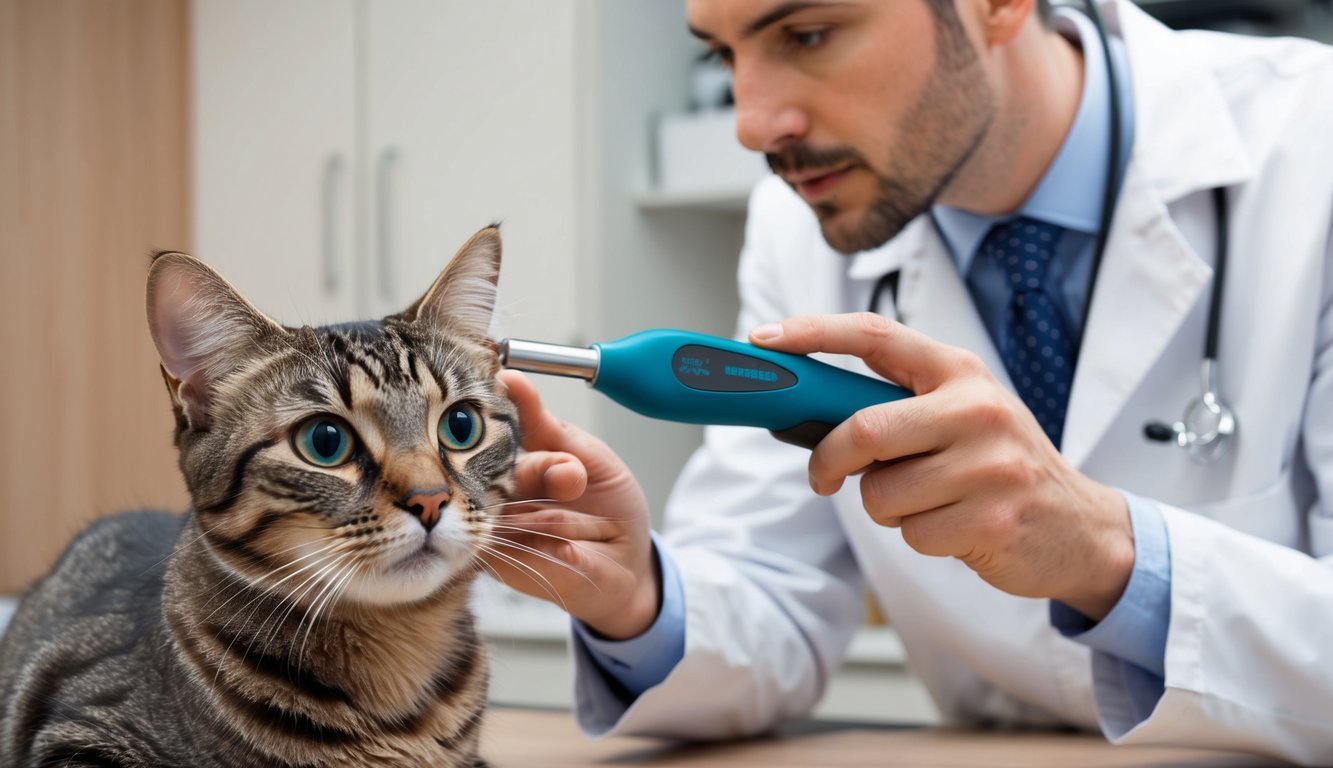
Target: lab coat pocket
<point>1275,513</point>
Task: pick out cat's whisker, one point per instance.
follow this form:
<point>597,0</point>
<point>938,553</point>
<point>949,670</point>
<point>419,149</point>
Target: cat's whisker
<point>267,591</point>
<point>300,595</point>
<point>353,568</point>
<point>518,501</point>
<point>283,598</point>
<point>523,516</point>
<point>311,615</point>
<point>294,598</point>
<point>244,582</point>
<point>544,556</point>
<point>297,596</point>
<point>572,542</point>
<point>264,587</point>
<point>537,576</point>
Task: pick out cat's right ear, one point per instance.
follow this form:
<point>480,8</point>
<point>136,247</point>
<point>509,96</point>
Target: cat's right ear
<point>203,329</point>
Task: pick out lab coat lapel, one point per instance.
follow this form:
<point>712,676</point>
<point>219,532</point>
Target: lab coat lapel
<point>1149,281</point>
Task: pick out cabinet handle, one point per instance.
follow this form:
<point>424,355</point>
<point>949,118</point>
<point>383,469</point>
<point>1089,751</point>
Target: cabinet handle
<point>388,158</point>
<point>333,167</point>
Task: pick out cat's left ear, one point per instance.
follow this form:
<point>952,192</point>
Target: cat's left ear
<point>463,296</point>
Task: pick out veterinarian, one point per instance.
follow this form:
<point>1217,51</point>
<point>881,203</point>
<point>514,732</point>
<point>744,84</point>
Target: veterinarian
<point>1089,515</point>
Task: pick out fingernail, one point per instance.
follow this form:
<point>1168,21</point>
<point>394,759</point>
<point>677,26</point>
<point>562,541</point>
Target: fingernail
<point>814,484</point>
<point>767,332</point>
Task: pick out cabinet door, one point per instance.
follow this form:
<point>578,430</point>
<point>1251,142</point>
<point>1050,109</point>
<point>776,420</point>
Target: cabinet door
<point>93,174</point>
<point>471,115</point>
<point>274,127</point>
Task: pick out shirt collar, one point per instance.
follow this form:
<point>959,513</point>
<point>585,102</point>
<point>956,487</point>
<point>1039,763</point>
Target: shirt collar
<point>1070,193</point>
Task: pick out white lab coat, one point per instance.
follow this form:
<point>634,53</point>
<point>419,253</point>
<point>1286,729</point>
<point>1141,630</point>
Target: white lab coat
<point>772,573</point>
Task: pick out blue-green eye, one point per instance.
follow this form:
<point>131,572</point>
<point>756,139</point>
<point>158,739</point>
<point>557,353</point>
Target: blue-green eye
<point>460,427</point>
<point>323,441</point>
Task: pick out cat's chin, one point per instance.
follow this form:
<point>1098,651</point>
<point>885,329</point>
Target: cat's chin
<point>407,579</point>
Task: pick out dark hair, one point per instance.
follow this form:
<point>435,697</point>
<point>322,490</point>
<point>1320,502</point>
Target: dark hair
<point>944,9</point>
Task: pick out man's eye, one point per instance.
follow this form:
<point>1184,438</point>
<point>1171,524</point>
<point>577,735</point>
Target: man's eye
<point>808,38</point>
<point>718,56</point>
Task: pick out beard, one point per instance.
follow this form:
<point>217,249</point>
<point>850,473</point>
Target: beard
<point>939,133</point>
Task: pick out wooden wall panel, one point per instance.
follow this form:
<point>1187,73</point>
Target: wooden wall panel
<point>94,172</point>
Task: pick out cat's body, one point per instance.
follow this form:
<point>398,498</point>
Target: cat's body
<point>312,609</point>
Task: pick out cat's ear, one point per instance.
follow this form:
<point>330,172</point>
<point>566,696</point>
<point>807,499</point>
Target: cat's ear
<point>202,328</point>
<point>463,296</point>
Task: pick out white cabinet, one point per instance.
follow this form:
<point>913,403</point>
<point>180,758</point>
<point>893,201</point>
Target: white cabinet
<point>274,123</point>
<point>345,148</point>
<point>471,114</point>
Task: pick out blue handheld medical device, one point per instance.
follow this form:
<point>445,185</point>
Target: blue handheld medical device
<point>700,379</point>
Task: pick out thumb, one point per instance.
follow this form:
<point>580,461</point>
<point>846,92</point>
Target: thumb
<point>891,349</point>
<point>543,431</point>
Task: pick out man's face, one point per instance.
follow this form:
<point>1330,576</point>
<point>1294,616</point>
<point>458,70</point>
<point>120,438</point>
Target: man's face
<point>867,108</point>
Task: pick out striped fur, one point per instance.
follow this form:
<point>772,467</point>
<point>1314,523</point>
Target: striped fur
<point>297,615</point>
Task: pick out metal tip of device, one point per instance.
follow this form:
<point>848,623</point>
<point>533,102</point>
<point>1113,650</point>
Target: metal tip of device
<point>552,359</point>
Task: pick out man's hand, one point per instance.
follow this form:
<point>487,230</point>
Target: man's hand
<point>589,551</point>
<point>964,469</point>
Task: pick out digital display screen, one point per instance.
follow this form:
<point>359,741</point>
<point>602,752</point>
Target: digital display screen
<point>715,370</point>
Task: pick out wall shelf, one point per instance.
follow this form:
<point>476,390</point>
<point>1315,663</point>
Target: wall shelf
<point>718,200</point>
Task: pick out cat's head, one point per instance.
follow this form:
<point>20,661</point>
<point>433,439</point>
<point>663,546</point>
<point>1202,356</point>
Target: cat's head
<point>363,455</point>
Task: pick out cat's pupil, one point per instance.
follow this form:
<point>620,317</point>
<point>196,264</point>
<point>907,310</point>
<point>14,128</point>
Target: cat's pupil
<point>460,425</point>
<point>326,439</point>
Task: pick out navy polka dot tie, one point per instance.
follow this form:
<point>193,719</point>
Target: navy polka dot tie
<point>1038,348</point>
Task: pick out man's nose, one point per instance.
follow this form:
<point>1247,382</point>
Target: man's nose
<point>768,117</point>
<point>427,505</point>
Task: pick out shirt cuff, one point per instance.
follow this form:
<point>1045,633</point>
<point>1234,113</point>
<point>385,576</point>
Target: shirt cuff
<point>642,662</point>
<point>1136,628</point>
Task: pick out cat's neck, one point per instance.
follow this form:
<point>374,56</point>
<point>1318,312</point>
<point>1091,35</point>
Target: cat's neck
<point>387,659</point>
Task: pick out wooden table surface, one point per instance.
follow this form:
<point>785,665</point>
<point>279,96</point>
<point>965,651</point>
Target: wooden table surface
<point>517,738</point>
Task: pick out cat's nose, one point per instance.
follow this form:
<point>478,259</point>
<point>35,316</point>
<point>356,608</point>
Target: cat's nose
<point>427,506</point>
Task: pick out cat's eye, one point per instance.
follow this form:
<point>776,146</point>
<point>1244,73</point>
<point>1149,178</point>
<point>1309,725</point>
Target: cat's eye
<point>324,441</point>
<point>460,427</point>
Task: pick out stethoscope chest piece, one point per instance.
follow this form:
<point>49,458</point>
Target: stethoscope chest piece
<point>1208,425</point>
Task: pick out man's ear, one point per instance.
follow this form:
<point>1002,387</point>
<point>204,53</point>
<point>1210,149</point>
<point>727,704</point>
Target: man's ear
<point>463,296</point>
<point>1004,19</point>
<point>203,330</point>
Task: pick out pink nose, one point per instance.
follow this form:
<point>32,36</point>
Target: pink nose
<point>426,506</point>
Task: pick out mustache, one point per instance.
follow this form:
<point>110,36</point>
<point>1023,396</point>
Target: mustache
<point>799,157</point>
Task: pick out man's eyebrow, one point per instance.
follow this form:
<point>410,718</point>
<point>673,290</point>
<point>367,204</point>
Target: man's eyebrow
<point>768,19</point>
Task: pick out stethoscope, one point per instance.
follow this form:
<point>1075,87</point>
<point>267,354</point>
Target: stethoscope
<point>1208,425</point>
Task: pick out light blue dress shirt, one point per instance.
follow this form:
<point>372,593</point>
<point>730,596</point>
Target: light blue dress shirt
<point>1134,633</point>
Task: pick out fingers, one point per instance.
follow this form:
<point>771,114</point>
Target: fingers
<point>549,475</point>
<point>881,433</point>
<point>910,487</point>
<point>891,349</point>
<point>950,531</point>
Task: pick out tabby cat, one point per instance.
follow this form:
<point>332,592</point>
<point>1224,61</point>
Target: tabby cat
<point>313,606</point>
